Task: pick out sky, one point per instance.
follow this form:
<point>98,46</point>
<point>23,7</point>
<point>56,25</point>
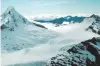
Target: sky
<point>53,7</point>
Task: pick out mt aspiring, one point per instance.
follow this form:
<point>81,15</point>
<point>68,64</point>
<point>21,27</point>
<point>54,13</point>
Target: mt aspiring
<point>26,43</point>
<point>18,33</point>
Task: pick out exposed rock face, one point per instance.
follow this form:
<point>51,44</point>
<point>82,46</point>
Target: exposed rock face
<point>86,53</point>
<point>95,26</point>
<point>39,25</point>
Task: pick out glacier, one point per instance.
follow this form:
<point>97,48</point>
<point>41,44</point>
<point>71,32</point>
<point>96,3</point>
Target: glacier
<point>23,43</point>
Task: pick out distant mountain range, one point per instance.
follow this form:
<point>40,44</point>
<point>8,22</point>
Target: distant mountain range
<point>60,20</point>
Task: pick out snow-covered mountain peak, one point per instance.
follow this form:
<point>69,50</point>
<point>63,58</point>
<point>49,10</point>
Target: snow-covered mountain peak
<point>95,26</point>
<point>10,9</point>
<point>96,17</point>
<point>93,15</point>
<point>11,19</point>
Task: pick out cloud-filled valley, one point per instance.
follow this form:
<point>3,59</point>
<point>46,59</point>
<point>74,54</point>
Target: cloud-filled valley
<point>24,41</point>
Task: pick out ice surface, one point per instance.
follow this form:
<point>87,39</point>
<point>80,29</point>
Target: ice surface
<point>29,43</point>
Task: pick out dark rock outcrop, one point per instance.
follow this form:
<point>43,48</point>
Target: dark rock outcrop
<point>39,25</point>
<point>86,53</point>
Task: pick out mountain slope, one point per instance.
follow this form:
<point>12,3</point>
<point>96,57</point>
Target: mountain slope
<point>86,53</point>
<point>12,19</point>
<point>95,26</point>
<point>18,33</point>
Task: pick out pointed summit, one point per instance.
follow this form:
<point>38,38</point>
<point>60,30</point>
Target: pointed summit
<point>10,10</point>
<point>97,18</point>
<point>11,15</point>
<point>93,15</point>
<point>11,18</point>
